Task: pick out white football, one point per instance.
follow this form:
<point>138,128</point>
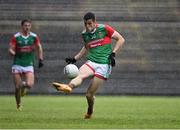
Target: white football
<point>71,71</point>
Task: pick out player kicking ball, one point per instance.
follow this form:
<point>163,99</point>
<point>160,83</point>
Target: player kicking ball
<point>100,58</point>
<point>22,48</point>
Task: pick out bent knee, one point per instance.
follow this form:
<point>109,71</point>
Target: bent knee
<point>29,84</point>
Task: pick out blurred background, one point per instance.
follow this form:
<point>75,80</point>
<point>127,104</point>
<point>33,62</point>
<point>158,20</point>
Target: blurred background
<point>148,64</point>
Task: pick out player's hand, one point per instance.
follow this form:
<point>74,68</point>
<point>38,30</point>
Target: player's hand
<point>12,52</point>
<point>40,65</point>
<point>112,59</point>
<point>70,60</point>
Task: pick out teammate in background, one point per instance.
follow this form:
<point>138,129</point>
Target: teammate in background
<point>22,48</point>
<point>100,58</point>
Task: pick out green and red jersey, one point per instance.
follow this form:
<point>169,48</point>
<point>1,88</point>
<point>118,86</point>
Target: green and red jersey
<point>24,48</point>
<point>98,43</point>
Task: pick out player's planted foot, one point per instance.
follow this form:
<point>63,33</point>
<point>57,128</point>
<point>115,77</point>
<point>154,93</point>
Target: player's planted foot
<point>62,87</point>
<point>89,113</point>
<point>87,116</point>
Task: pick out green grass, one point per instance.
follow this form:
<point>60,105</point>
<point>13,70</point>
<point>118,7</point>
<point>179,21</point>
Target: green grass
<point>111,112</point>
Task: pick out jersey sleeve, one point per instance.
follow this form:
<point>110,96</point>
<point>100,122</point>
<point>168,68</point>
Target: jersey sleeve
<point>37,40</point>
<point>109,30</point>
<point>13,41</point>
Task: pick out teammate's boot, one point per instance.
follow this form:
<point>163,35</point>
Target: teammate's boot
<point>62,87</point>
<point>23,91</point>
<point>87,116</point>
<point>19,108</point>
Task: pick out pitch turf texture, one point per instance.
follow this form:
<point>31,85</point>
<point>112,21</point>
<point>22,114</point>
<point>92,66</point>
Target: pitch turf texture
<point>111,112</point>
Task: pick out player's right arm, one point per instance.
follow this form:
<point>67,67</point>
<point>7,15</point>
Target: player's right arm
<point>12,46</point>
<point>81,53</point>
<point>78,56</point>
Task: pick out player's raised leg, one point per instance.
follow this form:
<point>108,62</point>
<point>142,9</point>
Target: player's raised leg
<point>84,72</point>
<point>62,87</point>
<point>95,84</point>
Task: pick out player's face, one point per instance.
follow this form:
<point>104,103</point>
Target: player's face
<point>26,27</point>
<point>89,25</point>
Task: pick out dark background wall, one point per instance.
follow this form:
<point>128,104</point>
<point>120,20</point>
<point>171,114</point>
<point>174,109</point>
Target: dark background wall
<point>148,64</point>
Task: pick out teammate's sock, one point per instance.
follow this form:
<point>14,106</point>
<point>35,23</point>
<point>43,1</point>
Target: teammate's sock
<point>18,96</point>
<point>24,88</point>
<point>19,107</point>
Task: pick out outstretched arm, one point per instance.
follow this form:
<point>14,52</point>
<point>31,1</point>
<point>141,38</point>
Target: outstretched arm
<point>78,56</point>
<point>81,53</point>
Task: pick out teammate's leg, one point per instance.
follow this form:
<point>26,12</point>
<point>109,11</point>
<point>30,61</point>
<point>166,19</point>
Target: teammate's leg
<point>17,83</point>
<point>84,72</point>
<point>95,84</point>
<point>28,83</point>
<point>29,79</point>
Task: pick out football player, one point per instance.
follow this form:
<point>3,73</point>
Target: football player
<point>22,48</point>
<point>100,56</point>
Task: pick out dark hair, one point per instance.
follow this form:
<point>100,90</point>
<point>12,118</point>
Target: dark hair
<point>25,20</point>
<point>88,16</point>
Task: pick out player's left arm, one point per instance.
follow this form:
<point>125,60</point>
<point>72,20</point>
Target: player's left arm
<point>112,33</point>
<point>39,48</point>
<point>119,41</point>
<point>40,52</point>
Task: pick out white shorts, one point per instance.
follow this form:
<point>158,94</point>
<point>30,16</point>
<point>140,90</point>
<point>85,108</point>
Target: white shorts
<point>100,70</point>
<point>20,69</point>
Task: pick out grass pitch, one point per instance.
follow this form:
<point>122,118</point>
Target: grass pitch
<point>111,112</point>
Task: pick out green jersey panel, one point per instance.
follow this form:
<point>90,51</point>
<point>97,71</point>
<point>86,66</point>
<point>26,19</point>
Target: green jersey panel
<point>98,43</point>
<point>25,47</point>
<point>100,54</point>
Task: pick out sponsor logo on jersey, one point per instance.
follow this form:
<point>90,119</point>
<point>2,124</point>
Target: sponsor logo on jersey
<point>95,43</point>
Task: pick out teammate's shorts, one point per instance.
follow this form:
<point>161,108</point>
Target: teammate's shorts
<point>20,69</point>
<point>100,70</point>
